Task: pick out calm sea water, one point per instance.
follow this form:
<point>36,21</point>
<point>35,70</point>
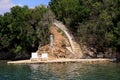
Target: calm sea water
<point>60,71</point>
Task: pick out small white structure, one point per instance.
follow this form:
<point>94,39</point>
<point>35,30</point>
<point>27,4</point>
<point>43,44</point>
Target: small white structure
<point>44,56</point>
<point>34,56</point>
<point>51,41</point>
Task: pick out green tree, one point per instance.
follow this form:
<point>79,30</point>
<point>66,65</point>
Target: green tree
<point>22,30</point>
<point>94,22</point>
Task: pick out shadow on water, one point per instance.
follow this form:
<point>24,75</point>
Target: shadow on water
<point>60,71</point>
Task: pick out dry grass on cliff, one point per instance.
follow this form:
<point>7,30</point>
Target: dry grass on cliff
<point>60,42</point>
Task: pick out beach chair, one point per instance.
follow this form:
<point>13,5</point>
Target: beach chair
<point>34,56</point>
<point>44,56</point>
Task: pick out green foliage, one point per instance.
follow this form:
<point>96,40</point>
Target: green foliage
<point>69,11</point>
<point>23,29</point>
<point>95,22</point>
<point>59,30</point>
<point>63,43</point>
<point>18,49</point>
<point>5,41</point>
<point>63,34</point>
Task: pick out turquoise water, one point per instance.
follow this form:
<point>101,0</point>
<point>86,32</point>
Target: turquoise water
<point>60,71</point>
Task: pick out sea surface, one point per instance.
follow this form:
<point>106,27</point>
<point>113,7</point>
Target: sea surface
<point>60,71</point>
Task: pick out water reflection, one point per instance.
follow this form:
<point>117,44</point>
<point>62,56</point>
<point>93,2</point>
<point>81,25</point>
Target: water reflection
<point>53,71</point>
<point>60,71</point>
<point>73,71</point>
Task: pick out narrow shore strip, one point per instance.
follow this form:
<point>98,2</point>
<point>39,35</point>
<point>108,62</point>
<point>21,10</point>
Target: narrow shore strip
<point>62,60</point>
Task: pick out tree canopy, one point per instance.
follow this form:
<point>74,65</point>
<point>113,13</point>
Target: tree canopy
<point>95,23</point>
<point>23,29</point>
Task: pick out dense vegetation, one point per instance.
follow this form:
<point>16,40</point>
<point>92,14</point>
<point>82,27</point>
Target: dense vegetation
<point>96,23</point>
<point>22,30</point>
